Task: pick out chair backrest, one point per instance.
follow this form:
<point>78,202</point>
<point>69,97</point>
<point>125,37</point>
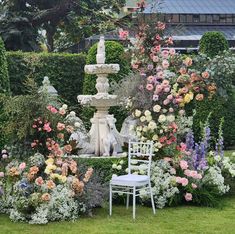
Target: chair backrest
<point>140,156</point>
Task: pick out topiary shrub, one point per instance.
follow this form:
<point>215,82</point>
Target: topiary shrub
<point>212,43</point>
<point>114,54</point>
<point>4,88</point>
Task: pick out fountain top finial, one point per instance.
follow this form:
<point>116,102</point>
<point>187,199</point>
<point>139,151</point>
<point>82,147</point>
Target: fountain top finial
<point>100,57</point>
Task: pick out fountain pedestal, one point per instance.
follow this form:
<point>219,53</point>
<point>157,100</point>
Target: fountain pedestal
<point>103,134</point>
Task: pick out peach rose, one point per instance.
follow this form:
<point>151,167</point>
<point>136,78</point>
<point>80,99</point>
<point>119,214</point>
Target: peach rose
<point>46,197</point>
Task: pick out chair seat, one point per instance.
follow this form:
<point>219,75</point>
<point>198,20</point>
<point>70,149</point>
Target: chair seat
<point>130,180</point>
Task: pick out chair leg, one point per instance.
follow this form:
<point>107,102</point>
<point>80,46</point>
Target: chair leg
<point>110,199</point>
<point>127,199</point>
<point>134,198</point>
<point>152,201</point>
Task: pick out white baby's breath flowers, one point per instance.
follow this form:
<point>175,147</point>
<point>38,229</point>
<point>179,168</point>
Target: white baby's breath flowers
<point>139,128</point>
<point>72,114</point>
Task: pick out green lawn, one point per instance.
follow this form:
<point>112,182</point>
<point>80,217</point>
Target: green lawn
<point>183,219</point>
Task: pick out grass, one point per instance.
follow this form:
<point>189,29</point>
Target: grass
<point>182,219</point>
<point>174,220</point>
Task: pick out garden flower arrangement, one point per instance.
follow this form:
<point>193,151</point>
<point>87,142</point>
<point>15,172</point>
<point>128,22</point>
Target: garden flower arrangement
<point>49,186</point>
<point>183,170</point>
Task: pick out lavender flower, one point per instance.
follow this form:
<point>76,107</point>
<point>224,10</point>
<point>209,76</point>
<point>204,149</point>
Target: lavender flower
<point>190,140</point>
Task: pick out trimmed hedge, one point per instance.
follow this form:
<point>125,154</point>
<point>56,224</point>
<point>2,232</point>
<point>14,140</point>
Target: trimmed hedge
<point>220,107</point>
<point>213,43</point>
<point>65,71</point>
<point>114,54</point>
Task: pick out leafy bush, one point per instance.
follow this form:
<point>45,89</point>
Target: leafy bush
<point>213,43</point>
<point>65,71</point>
<point>4,87</point>
<point>114,54</point>
<point>4,78</point>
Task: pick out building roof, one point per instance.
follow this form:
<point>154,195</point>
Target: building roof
<point>192,7</point>
<point>186,33</point>
<point>195,32</point>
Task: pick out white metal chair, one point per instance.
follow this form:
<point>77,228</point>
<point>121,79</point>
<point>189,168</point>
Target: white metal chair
<point>139,158</point>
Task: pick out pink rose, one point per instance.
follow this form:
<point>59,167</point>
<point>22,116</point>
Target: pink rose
<point>150,79</point>
<point>173,171</point>
<point>39,181</point>
<point>172,51</point>
<point>178,179</point>
<point>194,186</point>
<point>60,126</point>
<point>167,89</point>
<point>47,127</point>
<point>183,165</point>
<point>1,174</point>
<point>54,110</point>
<point>160,74</point>
<point>194,174</point>
<point>62,112</point>
<point>171,109</point>
<point>165,64</point>
<point>165,53</point>
<point>166,102</point>
<point>22,166</point>
<point>188,197</point>
<point>187,172</point>
<point>198,176</point>
<point>4,156</point>
<point>184,181</point>
<point>149,87</point>
<point>155,59</point>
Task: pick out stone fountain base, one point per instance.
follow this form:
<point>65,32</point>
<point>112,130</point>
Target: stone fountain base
<point>93,156</point>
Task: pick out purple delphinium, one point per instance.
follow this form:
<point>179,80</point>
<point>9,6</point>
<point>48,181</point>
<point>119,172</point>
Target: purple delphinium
<point>190,140</point>
<point>207,136</point>
<point>199,156</point>
<point>219,147</point>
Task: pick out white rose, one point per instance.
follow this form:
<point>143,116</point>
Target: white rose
<point>142,118</point>
<point>121,162</point>
<point>119,167</point>
<point>65,107</point>
<point>137,113</point>
<point>164,110</point>
<point>161,118</point>
<point>114,166</point>
<point>138,134</point>
<point>127,170</point>
<point>143,138</point>
<point>156,108</point>
<point>161,131</point>
<point>72,114</point>
<point>147,113</point>
<point>170,118</point>
<point>77,124</point>
<point>149,118</point>
<point>155,137</point>
<point>152,125</point>
<point>139,128</point>
<point>114,175</point>
<point>145,129</point>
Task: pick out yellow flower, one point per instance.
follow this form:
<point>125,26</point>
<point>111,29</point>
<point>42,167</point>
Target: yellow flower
<point>188,97</point>
<point>63,179</point>
<point>49,161</point>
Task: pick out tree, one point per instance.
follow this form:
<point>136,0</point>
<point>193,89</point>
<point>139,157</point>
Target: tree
<point>22,20</point>
<point>213,43</point>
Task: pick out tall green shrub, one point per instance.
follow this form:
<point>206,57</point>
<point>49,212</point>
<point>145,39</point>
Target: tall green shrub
<point>114,54</point>
<point>213,43</point>
<point>4,88</point>
<point>65,71</point>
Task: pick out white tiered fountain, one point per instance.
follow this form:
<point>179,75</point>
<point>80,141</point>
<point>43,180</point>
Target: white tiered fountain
<point>104,137</point>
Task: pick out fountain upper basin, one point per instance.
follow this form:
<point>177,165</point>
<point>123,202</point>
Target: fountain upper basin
<point>102,68</point>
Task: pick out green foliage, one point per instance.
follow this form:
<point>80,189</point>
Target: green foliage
<point>4,78</point>
<point>219,107</point>
<point>103,166</point>
<point>4,88</point>
<point>65,71</point>
<point>114,54</point>
<point>213,43</point>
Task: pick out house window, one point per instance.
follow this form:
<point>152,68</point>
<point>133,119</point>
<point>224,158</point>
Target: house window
<point>222,19</point>
<point>202,18</point>
<point>168,18</point>
<point>189,18</point>
<point>216,18</point>
<point>209,19</point>
<point>229,19</point>
<point>175,18</point>
<point>195,18</point>
<point>182,18</point>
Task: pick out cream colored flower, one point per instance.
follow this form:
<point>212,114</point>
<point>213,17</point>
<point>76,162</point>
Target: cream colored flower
<point>170,118</point>
<point>155,137</point>
<point>137,113</point>
<point>149,118</point>
<point>152,125</point>
<point>147,113</point>
<point>161,118</point>
<point>142,118</point>
<point>156,108</point>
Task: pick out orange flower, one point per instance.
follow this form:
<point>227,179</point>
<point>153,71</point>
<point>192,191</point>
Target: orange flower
<point>60,136</point>
<point>183,70</point>
<point>205,74</point>
<point>77,185</point>
<point>199,97</point>
<point>188,61</point>
<point>88,175</point>
<point>14,171</point>
<point>33,170</point>
<point>50,184</point>
<point>46,197</point>
<point>73,166</point>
